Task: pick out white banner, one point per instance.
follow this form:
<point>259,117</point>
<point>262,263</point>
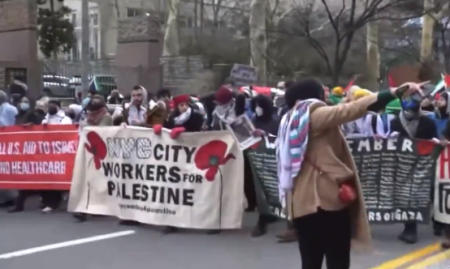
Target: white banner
<point>442,188</point>
<point>195,181</point>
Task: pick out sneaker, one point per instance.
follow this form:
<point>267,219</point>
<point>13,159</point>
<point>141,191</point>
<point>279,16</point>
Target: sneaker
<point>47,209</point>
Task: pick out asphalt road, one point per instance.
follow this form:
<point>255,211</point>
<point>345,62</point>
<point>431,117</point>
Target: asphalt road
<point>146,246</point>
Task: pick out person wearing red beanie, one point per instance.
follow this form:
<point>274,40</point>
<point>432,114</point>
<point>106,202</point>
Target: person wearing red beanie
<point>228,107</point>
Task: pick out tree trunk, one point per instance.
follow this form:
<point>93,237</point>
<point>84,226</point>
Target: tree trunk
<point>171,37</point>
<point>258,38</point>
<point>202,18</point>
<point>428,22</point>
<point>373,56</point>
<point>195,22</point>
<point>55,50</point>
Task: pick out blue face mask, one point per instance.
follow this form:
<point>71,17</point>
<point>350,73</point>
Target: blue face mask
<point>24,106</point>
<point>85,102</point>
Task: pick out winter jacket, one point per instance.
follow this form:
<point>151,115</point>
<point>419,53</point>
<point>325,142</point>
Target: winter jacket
<point>59,118</point>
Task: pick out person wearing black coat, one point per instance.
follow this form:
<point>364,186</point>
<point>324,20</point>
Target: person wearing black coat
<point>413,124</point>
<point>186,117</point>
<point>266,121</point>
<point>26,117</point>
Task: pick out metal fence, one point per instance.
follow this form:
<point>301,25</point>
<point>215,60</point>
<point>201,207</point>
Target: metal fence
<point>73,68</point>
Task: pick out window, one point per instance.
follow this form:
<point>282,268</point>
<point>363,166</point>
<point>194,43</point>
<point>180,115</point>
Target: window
<point>182,22</point>
<point>74,19</point>
<point>94,19</point>
<point>96,43</point>
<point>190,22</point>
<point>134,12</point>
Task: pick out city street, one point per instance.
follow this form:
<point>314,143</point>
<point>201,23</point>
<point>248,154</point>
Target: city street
<point>33,240</point>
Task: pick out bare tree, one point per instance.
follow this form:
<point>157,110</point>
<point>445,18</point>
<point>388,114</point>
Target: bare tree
<point>171,36</point>
<point>345,18</point>
<point>258,38</point>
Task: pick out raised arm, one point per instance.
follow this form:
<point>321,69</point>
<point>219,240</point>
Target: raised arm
<point>325,117</point>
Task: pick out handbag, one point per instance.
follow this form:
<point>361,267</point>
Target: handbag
<point>347,192</point>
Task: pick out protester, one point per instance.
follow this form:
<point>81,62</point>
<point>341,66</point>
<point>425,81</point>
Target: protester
<point>96,115</point>
<point>427,105</point>
<point>75,112</point>
<point>135,113</point>
<point>27,117</point>
<point>8,115</point>
<point>227,108</point>
<point>186,117</point>
<point>8,112</point>
<point>55,115</point>
<point>115,98</point>
<point>441,113</point>
<point>324,188</point>
<point>380,124</point>
<point>358,127</point>
<point>264,120</point>
<point>413,124</point>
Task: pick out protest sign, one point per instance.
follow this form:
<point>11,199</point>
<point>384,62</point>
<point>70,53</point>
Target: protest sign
<point>243,74</point>
<point>396,176</point>
<point>441,211</point>
<point>37,157</point>
<point>195,181</point>
<point>262,158</point>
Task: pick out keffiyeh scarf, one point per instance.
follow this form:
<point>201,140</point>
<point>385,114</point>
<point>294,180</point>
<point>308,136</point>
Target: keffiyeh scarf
<point>183,117</point>
<point>292,143</point>
<point>226,112</point>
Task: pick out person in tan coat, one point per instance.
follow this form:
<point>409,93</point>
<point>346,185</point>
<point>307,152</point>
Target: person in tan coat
<point>322,192</point>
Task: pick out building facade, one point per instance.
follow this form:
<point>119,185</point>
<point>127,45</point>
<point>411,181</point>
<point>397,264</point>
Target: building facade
<point>218,15</point>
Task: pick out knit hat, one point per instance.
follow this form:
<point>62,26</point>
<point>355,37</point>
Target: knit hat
<point>361,93</point>
<point>338,91</point>
<point>223,96</point>
<point>185,98</point>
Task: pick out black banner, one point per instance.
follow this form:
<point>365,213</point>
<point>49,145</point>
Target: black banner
<point>263,161</point>
<point>396,177</point>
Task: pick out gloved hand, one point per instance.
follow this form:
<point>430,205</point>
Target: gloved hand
<point>157,129</point>
<point>176,132</point>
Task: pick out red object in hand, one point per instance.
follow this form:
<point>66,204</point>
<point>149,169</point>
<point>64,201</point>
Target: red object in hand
<point>347,193</point>
<point>157,129</point>
<point>176,132</point>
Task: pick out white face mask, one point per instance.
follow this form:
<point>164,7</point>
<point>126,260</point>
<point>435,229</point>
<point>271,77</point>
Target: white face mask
<point>259,111</point>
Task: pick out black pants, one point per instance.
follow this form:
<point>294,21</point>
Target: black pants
<point>23,196</point>
<point>324,234</point>
<point>52,198</point>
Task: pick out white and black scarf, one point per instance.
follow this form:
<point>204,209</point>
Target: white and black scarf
<point>226,113</point>
<point>183,117</point>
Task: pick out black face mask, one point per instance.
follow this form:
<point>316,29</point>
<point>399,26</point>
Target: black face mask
<point>52,110</point>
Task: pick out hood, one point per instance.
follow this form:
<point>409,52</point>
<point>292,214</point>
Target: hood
<point>265,103</point>
<point>144,100</point>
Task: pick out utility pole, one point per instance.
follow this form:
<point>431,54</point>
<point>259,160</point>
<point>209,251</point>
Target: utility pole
<point>85,21</point>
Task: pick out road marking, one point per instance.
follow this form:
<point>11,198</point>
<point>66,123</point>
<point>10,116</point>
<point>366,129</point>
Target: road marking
<point>431,260</point>
<point>412,256</point>
<point>29,251</point>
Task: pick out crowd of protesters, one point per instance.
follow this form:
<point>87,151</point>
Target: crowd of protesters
<point>316,201</point>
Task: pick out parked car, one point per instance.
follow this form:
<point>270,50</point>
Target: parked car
<point>56,86</point>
